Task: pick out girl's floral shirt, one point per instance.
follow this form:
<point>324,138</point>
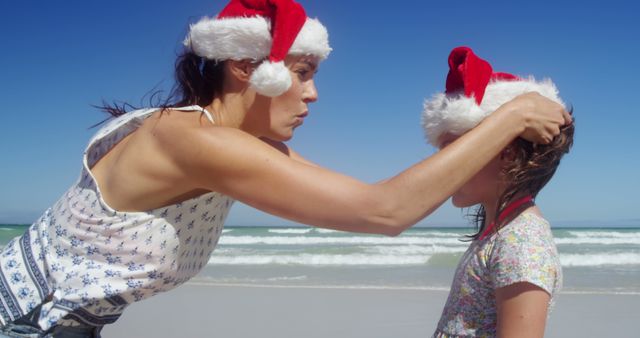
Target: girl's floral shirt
<point>521,251</point>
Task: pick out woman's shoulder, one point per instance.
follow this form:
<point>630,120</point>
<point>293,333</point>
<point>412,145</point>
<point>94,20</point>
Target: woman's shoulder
<point>192,143</point>
<point>173,128</point>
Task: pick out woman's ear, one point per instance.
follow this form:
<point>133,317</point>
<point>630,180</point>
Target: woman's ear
<point>241,70</point>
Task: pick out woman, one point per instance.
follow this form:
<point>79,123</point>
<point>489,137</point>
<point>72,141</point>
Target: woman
<point>157,184</point>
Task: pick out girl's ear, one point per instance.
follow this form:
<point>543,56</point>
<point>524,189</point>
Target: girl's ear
<point>508,153</point>
<point>241,70</point>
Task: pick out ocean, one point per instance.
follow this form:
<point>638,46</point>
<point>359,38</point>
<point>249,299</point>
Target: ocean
<point>594,260</point>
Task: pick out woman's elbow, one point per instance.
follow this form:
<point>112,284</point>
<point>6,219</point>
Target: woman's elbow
<point>393,231</point>
<point>380,213</point>
<point>386,219</point>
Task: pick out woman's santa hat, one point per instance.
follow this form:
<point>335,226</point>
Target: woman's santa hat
<point>257,30</point>
<point>473,92</point>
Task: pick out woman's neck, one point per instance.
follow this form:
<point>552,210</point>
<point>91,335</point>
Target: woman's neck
<point>228,111</point>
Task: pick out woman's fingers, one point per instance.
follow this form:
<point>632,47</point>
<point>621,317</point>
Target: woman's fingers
<point>545,117</point>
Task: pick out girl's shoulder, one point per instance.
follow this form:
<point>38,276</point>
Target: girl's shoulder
<point>527,234</point>
<point>528,223</point>
<point>525,251</point>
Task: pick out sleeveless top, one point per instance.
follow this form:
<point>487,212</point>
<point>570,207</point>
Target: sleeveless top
<point>84,262</point>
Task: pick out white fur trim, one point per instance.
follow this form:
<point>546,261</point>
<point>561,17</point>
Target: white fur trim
<point>313,39</point>
<point>456,114</point>
<point>230,38</point>
<point>271,78</point>
<point>250,38</point>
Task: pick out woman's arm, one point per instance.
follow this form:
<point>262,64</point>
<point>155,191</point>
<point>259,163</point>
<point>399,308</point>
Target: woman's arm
<point>283,148</point>
<point>239,165</point>
<point>522,310</point>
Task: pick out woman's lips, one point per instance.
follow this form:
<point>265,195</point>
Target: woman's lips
<point>299,119</point>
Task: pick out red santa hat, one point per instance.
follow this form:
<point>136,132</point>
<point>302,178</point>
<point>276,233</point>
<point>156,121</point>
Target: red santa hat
<point>266,30</point>
<point>473,92</point>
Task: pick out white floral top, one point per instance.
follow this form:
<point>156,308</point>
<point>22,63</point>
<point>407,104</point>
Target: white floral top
<point>85,262</point>
<point>521,251</point>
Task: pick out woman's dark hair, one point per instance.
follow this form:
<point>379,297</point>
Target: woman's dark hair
<point>529,170</point>
<point>198,82</point>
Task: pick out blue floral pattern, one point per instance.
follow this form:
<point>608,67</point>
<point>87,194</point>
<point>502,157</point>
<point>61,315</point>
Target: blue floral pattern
<point>85,262</point>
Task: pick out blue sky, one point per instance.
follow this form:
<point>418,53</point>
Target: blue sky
<point>59,58</point>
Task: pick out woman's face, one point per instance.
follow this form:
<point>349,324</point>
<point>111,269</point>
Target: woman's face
<point>288,111</point>
<point>483,188</point>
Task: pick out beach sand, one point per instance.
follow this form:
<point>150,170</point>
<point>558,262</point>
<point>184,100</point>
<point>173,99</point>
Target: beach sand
<point>200,310</point>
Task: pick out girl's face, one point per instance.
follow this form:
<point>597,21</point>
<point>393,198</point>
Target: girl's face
<point>279,116</point>
<point>483,188</point>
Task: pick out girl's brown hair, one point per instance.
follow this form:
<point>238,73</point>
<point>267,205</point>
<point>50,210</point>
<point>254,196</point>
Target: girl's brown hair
<point>529,169</point>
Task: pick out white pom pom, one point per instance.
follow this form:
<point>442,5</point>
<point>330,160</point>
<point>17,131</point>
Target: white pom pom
<point>271,79</point>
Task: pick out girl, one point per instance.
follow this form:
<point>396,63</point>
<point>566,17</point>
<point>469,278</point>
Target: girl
<point>157,183</point>
<point>507,278</point>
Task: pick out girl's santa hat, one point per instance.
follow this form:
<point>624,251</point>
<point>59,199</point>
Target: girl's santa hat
<point>473,92</point>
<point>260,30</point>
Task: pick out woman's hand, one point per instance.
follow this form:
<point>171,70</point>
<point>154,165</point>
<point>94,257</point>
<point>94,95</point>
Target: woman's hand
<point>542,117</point>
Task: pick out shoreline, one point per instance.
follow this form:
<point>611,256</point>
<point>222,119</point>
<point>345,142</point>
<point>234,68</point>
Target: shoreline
<point>391,288</point>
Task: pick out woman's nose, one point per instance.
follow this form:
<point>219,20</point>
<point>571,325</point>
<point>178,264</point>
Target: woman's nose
<point>310,92</point>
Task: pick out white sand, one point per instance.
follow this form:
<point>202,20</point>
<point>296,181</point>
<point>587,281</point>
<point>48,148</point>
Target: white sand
<point>239,311</point>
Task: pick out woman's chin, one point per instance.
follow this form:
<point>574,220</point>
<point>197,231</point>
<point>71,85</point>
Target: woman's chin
<point>280,136</point>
